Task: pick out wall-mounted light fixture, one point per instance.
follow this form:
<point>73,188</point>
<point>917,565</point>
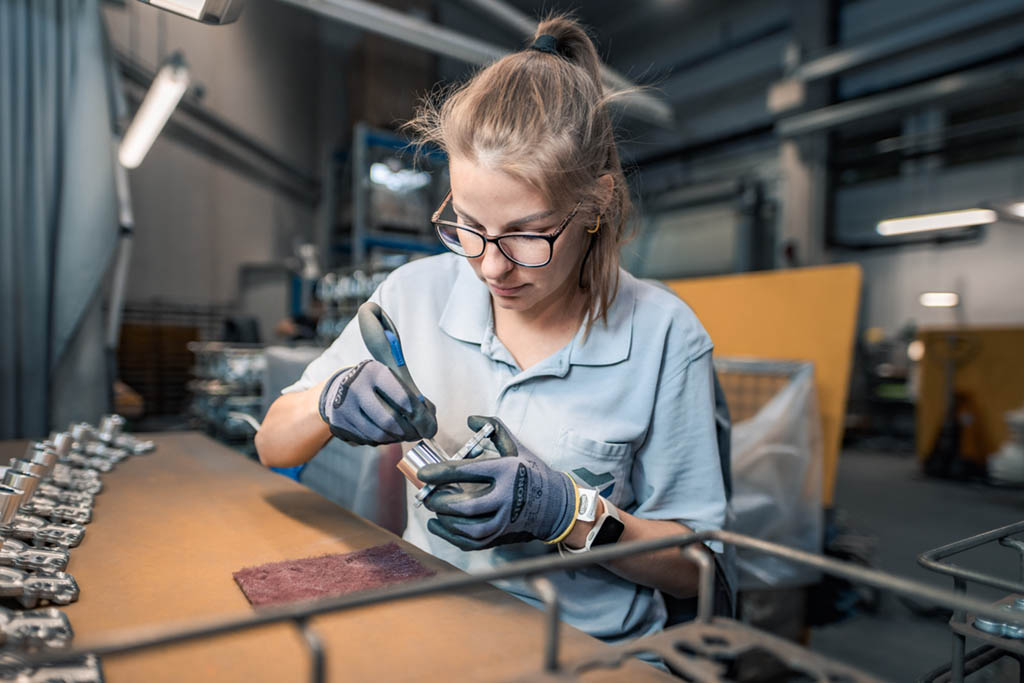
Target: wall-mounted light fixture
<point>1017,209</point>
<point>936,221</point>
<point>206,11</point>
<point>163,96</point>
<point>940,299</point>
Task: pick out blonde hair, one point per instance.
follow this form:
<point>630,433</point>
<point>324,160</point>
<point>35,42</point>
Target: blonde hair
<point>543,118</point>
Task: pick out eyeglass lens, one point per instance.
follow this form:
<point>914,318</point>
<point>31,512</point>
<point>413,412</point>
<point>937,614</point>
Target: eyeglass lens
<point>465,241</point>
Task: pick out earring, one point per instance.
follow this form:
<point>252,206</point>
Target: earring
<point>596,227</point>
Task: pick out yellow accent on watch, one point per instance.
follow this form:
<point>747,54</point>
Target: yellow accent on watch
<point>575,513</point>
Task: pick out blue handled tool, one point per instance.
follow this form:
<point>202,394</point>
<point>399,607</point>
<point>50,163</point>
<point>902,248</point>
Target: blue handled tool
<point>381,338</point>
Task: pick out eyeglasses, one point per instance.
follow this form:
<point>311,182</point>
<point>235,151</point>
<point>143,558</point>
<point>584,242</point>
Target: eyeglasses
<point>528,249</point>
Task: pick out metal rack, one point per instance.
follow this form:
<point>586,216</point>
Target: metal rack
<point>993,647</point>
<point>392,219</point>
<point>227,388</point>
<point>706,649</point>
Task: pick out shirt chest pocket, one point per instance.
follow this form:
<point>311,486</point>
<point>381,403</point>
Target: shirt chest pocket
<point>598,464</point>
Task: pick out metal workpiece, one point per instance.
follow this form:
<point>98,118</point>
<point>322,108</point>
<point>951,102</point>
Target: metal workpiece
<point>85,462</point>
<point>31,588</point>
<point>111,432</point>
<point>23,466</point>
<point>62,442</point>
<point>56,511</point>
<point>10,501</point>
<point>20,555</point>
<point>110,428</point>
<point>42,453</point>
<point>100,450</point>
<point>134,445</point>
<point>43,533</point>
<point>83,669</point>
<point>87,443</point>
<point>66,496</point>
<point>34,504</point>
<point>72,479</point>
<point>22,481</point>
<point>65,471</point>
<point>426,452</point>
<point>1002,628</point>
<point>82,433</point>
<point>34,629</point>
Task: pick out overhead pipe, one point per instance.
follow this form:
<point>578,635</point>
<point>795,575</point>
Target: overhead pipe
<point>944,25</point>
<point>946,87</point>
<point>443,41</point>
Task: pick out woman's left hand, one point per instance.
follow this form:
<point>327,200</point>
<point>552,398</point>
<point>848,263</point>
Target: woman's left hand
<point>510,499</point>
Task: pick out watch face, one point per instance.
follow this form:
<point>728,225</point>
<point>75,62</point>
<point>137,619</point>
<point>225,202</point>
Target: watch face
<point>609,532</point>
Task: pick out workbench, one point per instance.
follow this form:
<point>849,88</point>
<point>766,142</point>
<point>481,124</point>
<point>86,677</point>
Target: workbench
<point>171,527</point>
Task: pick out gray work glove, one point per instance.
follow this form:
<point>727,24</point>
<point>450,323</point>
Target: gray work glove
<point>486,502</point>
<point>368,405</point>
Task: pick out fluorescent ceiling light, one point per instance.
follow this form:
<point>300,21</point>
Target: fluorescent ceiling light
<point>206,11</point>
<point>192,9</point>
<point>1017,209</point>
<point>936,221</point>
<point>940,299</point>
<point>158,104</point>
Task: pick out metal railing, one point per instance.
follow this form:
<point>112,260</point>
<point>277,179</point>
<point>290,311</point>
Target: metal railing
<point>995,648</point>
<point>300,613</point>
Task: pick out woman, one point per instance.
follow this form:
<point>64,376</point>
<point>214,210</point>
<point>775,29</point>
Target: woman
<point>599,386</point>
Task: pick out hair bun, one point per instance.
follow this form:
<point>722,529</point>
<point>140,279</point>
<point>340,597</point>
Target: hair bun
<point>545,42</point>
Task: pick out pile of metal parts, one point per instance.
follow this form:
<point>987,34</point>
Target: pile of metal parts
<point>46,499</point>
<point>341,294</point>
<point>228,386</point>
<point>708,649</point>
<point>1002,634</point>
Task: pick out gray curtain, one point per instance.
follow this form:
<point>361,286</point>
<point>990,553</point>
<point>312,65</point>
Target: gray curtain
<point>58,220</point>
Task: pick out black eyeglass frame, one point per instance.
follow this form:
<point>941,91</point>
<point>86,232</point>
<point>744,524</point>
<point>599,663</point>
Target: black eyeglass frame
<point>549,238</point>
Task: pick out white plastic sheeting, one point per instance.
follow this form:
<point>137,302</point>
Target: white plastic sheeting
<point>777,475</point>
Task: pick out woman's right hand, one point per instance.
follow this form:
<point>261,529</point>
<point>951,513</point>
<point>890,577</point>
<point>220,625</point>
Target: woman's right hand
<point>368,404</point>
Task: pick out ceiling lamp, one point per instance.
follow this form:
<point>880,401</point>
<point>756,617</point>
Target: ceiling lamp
<point>163,96</point>
<point>206,11</point>
<point>940,299</point>
<point>936,221</point>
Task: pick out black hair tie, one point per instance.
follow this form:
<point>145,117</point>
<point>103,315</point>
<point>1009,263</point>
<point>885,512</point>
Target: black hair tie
<point>545,42</point>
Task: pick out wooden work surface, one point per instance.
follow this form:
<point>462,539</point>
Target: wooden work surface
<point>169,529</point>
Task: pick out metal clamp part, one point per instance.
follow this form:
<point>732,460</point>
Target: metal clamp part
<point>84,670</point>
<point>17,554</point>
<point>43,533</point>
<point>30,588</point>
<point>33,629</point>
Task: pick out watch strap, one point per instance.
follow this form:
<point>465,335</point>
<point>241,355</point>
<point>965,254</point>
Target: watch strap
<point>607,529</point>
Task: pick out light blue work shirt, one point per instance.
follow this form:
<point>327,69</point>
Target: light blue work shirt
<point>629,411</point>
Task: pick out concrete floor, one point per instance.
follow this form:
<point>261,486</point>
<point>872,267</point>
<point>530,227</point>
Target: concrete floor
<point>885,496</point>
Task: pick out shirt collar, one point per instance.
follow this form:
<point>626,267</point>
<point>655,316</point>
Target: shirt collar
<point>467,317</point>
<point>609,344</point>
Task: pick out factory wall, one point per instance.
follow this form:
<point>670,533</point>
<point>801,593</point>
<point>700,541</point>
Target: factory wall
<point>985,273</point>
<point>727,60</point>
<point>197,222</point>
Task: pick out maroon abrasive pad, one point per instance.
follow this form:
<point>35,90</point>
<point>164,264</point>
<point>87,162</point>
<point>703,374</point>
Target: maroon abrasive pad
<point>328,575</point>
